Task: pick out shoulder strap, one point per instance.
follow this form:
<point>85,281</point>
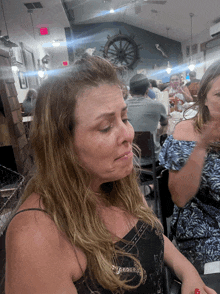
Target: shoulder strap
<point>27,210</point>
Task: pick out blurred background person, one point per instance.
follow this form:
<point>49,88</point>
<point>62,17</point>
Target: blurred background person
<point>145,114</point>
<point>193,85</point>
<point>192,155</point>
<point>154,87</point>
<point>178,94</point>
<point>29,102</point>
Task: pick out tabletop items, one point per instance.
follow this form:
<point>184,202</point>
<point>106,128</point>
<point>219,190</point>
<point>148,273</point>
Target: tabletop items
<point>163,97</point>
<point>175,115</point>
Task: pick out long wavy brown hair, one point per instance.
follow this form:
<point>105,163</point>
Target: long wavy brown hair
<point>61,182</point>
<point>203,114</point>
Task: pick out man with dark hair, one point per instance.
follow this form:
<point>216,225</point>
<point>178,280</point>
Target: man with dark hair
<point>193,85</point>
<point>192,76</point>
<point>144,113</point>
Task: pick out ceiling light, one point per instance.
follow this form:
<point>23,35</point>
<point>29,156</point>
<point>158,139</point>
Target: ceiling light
<point>15,69</point>
<point>56,43</point>
<point>112,10</point>
<point>191,66</point>
<point>168,69</point>
<point>41,74</point>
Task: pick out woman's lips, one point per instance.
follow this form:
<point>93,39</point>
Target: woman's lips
<point>125,156</point>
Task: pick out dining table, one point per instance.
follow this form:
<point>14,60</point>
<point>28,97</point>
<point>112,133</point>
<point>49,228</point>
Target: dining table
<point>175,117</point>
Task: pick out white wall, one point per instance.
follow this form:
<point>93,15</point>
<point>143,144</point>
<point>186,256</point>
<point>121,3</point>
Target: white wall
<point>202,61</point>
<point>57,55</point>
<point>38,52</point>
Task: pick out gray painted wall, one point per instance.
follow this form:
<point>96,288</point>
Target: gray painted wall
<point>95,35</point>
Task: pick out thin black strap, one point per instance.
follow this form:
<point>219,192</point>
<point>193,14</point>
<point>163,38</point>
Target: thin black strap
<point>27,210</point>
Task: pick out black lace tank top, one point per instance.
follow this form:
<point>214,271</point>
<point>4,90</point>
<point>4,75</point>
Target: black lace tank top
<point>147,245</point>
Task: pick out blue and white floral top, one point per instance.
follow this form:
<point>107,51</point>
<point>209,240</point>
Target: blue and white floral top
<point>196,227</point>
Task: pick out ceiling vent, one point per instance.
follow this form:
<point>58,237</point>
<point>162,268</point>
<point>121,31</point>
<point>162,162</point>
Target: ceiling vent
<point>33,5</point>
<point>215,30</point>
<point>155,2</point>
<point>216,20</point>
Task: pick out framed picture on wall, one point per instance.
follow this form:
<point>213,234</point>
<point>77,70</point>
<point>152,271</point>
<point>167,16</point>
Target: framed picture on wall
<point>17,54</point>
<point>29,62</point>
<point>187,51</point>
<point>195,49</point>
<point>22,80</point>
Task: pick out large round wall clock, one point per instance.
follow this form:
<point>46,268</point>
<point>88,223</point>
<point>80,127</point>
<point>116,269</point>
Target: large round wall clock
<point>122,50</point>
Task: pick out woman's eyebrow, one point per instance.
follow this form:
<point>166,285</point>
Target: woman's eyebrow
<point>109,114</point>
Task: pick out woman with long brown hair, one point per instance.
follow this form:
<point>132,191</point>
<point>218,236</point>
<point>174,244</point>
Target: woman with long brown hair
<point>83,225</point>
<point>192,155</point>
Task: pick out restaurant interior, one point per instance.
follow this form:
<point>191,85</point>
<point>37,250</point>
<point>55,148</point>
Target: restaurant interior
<point>37,39</point>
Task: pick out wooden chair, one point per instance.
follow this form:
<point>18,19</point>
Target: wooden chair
<point>149,175</point>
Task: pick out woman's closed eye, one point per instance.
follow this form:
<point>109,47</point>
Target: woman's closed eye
<point>125,120</point>
<point>218,94</point>
<point>107,128</point>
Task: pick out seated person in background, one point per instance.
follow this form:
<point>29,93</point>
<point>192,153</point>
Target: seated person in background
<point>193,85</point>
<point>178,94</point>
<point>163,86</point>
<point>91,230</point>
<point>154,87</point>
<point>29,102</point>
<point>144,113</point>
<point>151,94</point>
<point>192,154</point>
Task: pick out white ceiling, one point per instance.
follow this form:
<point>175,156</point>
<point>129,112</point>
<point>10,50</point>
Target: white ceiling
<point>19,21</point>
<point>173,15</point>
<point>155,18</point>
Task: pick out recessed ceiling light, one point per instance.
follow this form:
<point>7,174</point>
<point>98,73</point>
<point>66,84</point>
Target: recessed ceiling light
<point>56,43</point>
<point>112,10</point>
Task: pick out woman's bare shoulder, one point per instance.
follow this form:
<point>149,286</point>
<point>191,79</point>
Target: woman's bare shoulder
<point>37,250</point>
<point>29,222</point>
<point>184,130</point>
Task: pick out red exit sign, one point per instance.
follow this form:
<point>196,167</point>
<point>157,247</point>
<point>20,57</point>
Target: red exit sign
<point>44,31</point>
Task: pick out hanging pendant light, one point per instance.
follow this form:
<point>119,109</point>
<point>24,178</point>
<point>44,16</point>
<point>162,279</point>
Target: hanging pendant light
<point>169,68</point>
<point>30,11</point>
<point>191,64</point>
<point>5,39</point>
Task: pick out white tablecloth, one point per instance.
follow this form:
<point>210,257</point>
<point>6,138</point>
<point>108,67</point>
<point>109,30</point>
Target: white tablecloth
<point>175,117</point>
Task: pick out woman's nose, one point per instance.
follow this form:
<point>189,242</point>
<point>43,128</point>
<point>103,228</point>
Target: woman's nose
<point>126,133</point>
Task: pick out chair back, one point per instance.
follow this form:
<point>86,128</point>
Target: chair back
<point>143,140</point>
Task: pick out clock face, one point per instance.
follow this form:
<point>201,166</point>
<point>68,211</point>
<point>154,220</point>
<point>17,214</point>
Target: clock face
<point>122,50</point>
